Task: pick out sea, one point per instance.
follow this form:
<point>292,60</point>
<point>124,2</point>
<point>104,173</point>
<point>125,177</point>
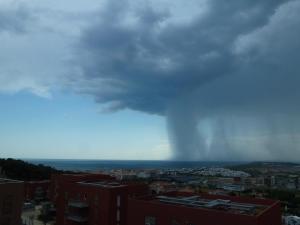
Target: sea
<point>100,165</point>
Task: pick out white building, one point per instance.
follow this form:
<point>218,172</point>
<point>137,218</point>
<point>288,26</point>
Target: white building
<point>292,220</point>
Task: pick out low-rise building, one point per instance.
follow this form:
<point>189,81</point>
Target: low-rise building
<point>98,201</point>
<point>292,220</point>
<point>233,187</point>
<point>188,209</point>
<point>162,186</point>
<point>62,181</point>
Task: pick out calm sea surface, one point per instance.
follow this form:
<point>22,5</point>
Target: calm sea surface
<point>94,165</point>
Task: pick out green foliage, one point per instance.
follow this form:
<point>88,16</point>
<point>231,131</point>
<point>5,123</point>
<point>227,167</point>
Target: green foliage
<point>21,170</point>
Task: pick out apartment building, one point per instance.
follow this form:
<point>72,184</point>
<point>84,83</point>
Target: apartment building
<point>177,208</point>
<point>94,200</point>
<point>11,201</point>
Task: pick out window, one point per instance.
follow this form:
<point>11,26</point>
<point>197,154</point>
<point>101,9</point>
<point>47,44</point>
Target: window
<point>175,222</point>
<point>96,200</point>
<point>118,201</point>
<point>118,215</point>
<point>188,223</point>
<point>150,220</point>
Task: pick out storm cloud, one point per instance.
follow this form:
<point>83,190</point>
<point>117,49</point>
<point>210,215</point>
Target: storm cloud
<point>224,74</point>
<point>226,79</point>
<point>32,50</point>
<point>14,18</point>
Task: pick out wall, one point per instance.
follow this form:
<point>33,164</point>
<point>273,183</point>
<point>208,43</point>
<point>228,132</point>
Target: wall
<point>137,210</point>
<point>11,202</point>
<point>31,187</point>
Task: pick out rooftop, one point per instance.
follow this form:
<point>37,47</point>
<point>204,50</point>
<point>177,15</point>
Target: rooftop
<point>219,203</point>
<point>103,184</point>
<point>38,182</point>
<point>9,181</point>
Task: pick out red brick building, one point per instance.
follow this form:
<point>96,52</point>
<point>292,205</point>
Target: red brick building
<point>93,200</point>
<point>37,190</point>
<point>188,209</point>
<point>63,181</point>
<point>11,201</point>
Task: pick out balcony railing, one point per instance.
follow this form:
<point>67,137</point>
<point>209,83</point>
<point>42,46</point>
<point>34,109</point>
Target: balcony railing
<point>76,218</point>
<point>78,204</point>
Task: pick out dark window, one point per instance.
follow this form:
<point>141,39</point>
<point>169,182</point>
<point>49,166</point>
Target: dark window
<point>66,196</point>
<point>150,220</point>
<point>7,205</point>
<point>188,223</point>
<point>175,222</point>
<point>97,200</point>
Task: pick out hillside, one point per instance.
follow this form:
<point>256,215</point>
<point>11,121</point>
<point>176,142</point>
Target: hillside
<point>21,170</point>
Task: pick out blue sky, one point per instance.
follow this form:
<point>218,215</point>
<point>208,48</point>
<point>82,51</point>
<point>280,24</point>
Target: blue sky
<point>72,126</point>
<point>155,79</point>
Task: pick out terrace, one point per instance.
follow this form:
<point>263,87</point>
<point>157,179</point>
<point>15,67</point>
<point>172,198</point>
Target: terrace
<point>212,204</point>
<point>9,181</point>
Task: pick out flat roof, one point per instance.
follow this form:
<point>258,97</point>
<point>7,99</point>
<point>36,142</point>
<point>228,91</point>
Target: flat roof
<point>215,204</point>
<point>38,181</point>
<point>103,184</point>
<point>9,181</point>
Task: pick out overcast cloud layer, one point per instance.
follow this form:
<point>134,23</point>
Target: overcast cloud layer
<point>225,74</point>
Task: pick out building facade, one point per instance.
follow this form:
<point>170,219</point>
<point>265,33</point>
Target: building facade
<point>11,201</point>
<point>187,209</point>
<point>89,199</point>
<point>37,190</point>
<point>59,182</point>
<point>95,201</point>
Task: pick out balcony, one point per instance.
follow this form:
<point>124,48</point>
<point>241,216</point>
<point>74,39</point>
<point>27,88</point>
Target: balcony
<point>78,204</point>
<point>78,219</point>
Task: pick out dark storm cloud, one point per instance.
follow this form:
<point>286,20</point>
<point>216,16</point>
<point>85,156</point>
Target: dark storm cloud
<point>14,18</point>
<point>235,61</point>
<point>152,61</point>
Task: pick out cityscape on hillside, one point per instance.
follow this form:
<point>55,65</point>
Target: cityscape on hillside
<point>149,112</point>
<point>251,193</point>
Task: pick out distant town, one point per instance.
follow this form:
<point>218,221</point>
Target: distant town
<point>260,193</point>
